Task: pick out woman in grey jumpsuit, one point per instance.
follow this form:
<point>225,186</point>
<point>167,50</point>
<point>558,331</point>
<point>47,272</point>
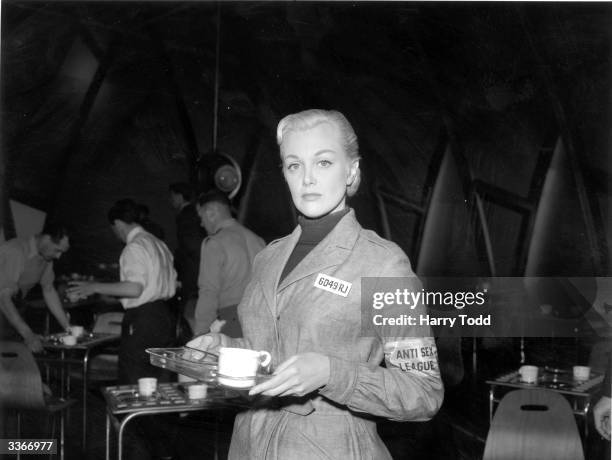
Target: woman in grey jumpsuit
<point>328,384</point>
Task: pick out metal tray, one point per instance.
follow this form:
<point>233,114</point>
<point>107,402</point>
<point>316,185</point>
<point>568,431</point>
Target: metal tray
<point>196,364</point>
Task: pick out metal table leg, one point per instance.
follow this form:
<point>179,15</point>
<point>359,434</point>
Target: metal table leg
<point>85,373</point>
<point>62,435</point>
<point>491,401</point>
<point>121,430</point>
<point>63,392</point>
<point>107,450</point>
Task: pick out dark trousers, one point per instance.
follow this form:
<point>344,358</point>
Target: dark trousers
<point>232,326</point>
<point>151,325</point>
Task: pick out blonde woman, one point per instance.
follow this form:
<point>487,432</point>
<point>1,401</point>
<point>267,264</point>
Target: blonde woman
<point>328,380</point>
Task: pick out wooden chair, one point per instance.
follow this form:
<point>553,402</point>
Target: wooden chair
<point>21,388</point>
<point>533,424</point>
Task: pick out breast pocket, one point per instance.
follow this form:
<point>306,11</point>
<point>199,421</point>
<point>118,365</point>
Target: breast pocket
<point>330,315</point>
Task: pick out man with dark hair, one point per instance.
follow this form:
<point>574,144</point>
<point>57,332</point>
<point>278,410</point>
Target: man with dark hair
<point>226,260</point>
<point>25,262</point>
<point>147,280</point>
<point>145,221</point>
<point>189,236</point>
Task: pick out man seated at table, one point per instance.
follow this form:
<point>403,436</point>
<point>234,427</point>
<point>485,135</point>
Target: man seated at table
<point>25,262</point>
<point>147,281</point>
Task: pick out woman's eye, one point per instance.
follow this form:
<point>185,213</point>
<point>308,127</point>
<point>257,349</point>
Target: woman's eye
<point>292,166</point>
<point>325,163</point>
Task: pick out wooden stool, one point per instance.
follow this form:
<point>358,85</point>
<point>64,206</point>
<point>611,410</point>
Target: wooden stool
<point>533,424</point>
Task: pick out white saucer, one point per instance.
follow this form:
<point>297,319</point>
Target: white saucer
<point>236,382</point>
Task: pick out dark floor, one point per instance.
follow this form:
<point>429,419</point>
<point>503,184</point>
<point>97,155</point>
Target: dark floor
<point>458,431</point>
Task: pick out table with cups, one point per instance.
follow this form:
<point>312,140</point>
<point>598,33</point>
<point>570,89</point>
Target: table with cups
<point>74,349</point>
<point>124,403</point>
<point>577,384</point>
<point>207,381</point>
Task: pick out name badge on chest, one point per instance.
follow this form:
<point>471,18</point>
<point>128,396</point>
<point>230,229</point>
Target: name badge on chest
<point>333,285</point>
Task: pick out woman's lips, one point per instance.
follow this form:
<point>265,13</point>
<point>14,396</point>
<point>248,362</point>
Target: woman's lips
<point>311,196</point>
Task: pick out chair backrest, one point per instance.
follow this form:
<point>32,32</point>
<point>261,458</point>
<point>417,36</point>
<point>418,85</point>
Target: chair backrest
<point>20,380</point>
<point>109,322</point>
<point>534,424</point>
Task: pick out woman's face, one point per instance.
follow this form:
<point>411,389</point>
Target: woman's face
<point>317,169</point>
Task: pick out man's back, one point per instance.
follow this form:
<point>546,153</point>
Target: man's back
<point>225,270</point>
<point>240,246</point>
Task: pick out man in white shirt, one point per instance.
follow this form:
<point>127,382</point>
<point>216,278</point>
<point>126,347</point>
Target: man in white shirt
<point>147,280</point>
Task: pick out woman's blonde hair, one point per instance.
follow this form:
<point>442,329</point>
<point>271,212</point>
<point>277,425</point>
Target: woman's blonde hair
<point>308,119</point>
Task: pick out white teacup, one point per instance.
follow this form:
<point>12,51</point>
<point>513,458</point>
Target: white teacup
<point>581,373</point>
<point>528,374</point>
<point>197,391</point>
<point>69,340</point>
<point>238,366</point>
<point>147,386</point>
<point>77,331</point>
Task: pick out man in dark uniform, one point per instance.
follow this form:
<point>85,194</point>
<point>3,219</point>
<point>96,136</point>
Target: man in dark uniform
<point>189,235</point>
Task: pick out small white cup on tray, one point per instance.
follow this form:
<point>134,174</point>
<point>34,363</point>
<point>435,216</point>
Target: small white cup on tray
<point>528,374</point>
<point>147,386</point>
<point>69,340</point>
<point>581,373</point>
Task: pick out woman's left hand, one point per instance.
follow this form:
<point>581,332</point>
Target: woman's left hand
<point>299,375</point>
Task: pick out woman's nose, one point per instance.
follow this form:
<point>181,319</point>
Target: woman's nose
<point>309,178</point>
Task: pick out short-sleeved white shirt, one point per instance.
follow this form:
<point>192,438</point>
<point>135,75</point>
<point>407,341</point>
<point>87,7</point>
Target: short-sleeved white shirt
<point>148,261</point>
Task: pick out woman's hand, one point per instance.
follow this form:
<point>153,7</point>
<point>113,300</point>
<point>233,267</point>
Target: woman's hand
<point>80,289</point>
<point>210,342</point>
<point>298,376</point>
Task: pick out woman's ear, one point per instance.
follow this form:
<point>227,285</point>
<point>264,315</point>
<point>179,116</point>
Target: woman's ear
<point>352,172</point>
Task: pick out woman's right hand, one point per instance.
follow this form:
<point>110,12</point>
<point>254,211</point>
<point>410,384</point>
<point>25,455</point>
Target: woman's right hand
<point>210,342</point>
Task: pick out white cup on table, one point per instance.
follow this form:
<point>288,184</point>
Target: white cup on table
<point>197,391</point>
<point>69,340</point>
<point>528,374</point>
<point>581,373</point>
<point>147,386</point>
